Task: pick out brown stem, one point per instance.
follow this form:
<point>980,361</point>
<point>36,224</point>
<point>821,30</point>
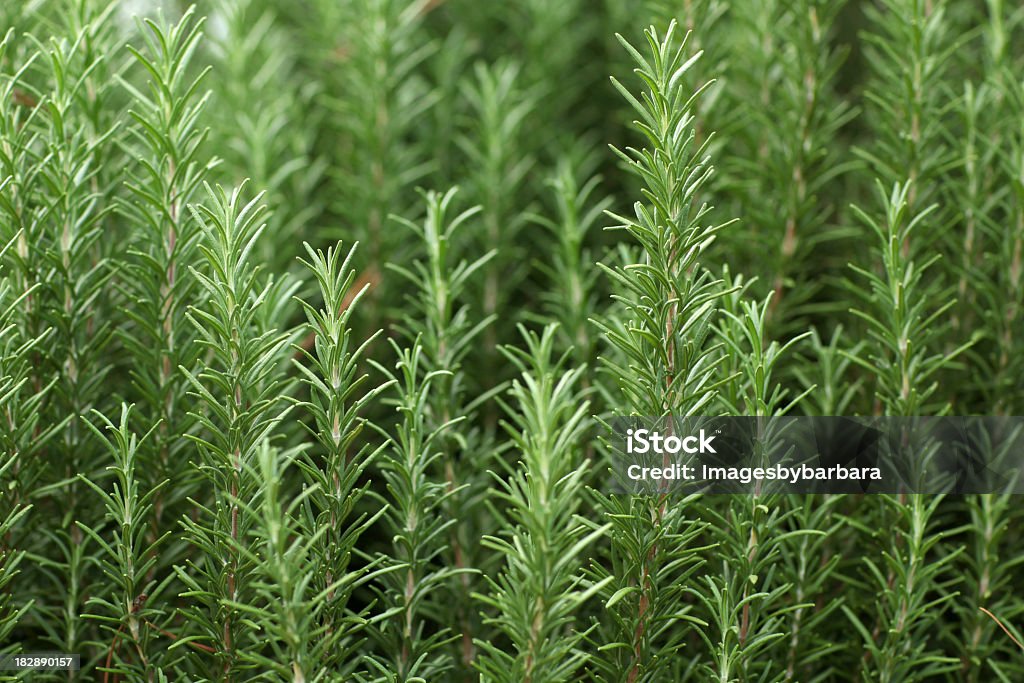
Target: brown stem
<point>1005,630</point>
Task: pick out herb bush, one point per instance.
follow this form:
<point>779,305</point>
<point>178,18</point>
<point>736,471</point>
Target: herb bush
<point>310,319</point>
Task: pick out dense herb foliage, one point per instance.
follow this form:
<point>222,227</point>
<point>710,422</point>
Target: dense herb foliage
<point>312,314</point>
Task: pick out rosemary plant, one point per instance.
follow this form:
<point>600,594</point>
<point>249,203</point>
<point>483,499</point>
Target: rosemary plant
<point>415,633</point>
<point>668,360</point>
<point>541,586</point>
<point>233,449</point>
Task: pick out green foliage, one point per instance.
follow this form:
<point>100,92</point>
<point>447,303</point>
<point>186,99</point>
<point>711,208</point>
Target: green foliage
<point>238,393</point>
<point>572,296</point>
<point>168,139</point>
<point>13,377</point>
<point>671,298</point>
<point>902,327</point>
<point>337,394</point>
<point>541,586</point>
<point>419,529</point>
<point>263,93</point>
<point>128,558</point>
<point>232,449</point>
